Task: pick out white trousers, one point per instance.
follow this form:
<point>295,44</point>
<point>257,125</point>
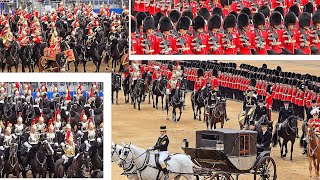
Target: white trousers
<point>162,156</point>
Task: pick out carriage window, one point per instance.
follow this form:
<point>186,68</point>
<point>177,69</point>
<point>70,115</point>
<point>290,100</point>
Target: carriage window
<point>210,136</point>
<point>244,144</point>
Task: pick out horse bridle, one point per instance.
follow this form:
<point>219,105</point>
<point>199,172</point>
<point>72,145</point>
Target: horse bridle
<point>309,139</point>
<point>12,157</point>
<point>292,129</point>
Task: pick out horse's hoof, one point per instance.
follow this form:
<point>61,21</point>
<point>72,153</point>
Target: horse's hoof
<point>284,155</point>
<point>167,118</point>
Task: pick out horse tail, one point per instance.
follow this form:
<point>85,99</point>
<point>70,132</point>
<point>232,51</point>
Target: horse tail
<point>302,141</point>
<point>275,139</point>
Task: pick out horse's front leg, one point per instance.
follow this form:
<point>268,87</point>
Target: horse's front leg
<point>157,100</point>
<point>200,114</point>
<point>153,105</point>
<point>292,143</point>
<point>84,65</point>
<point>173,114</point>
<point>180,108</point>
<point>167,108</point>
<point>112,96</point>
<point>162,102</point>
<point>117,93</point>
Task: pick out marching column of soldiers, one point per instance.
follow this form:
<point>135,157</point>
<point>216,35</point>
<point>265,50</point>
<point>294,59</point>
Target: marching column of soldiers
<point>225,27</point>
<point>43,119</point>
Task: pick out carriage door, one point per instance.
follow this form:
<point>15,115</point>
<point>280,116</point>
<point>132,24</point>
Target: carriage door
<point>244,144</point>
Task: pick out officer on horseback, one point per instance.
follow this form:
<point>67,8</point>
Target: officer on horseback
<point>32,142</point>
<point>173,86</point>
<point>264,138</point>
<point>8,139</point>
<point>156,76</point>
<point>50,135</point>
<point>260,112</point>
<point>41,126</point>
<point>284,113</point>
<point>19,128</point>
<point>250,101</point>
<point>162,147</point>
<point>200,84</point>
<point>315,121</point>
<point>69,151</point>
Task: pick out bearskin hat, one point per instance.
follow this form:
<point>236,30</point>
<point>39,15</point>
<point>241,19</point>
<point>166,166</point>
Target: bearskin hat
<point>217,11</point>
<point>247,11</point>
<point>148,23</point>
<point>235,14</point>
<point>133,25</point>
<point>214,22</point>
<point>253,82</point>
<point>170,67</point>
<point>264,66</point>
<point>165,24</point>
<point>140,16</point>
<point>157,18</point>
<point>188,13</point>
<point>174,15</point>
<point>280,10</point>
<point>308,8</point>
<point>199,22</point>
<point>265,10</point>
<point>225,2</point>
<point>295,9</point>
<point>229,21</point>
<point>290,19</point>
<point>304,19</point>
<point>204,12</point>
<point>316,17</point>
<point>258,19</point>
<point>183,23</point>
<point>243,20</point>
<point>276,19</point>
<point>269,89</point>
<point>200,72</point>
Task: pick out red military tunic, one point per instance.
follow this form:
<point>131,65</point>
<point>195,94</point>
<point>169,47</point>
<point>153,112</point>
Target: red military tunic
<point>317,123</point>
<point>263,36</point>
<point>199,83</point>
<point>204,38</point>
<point>154,44</point>
<point>135,45</point>
<point>244,49</point>
<point>23,41</point>
<point>215,48</point>
<point>304,47</point>
<point>293,45</point>
<point>187,39</point>
<point>230,44</point>
<point>156,75</point>
<point>275,44</point>
<point>172,44</point>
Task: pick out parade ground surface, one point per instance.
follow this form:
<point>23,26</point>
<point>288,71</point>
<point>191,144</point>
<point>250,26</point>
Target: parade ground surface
<point>141,128</point>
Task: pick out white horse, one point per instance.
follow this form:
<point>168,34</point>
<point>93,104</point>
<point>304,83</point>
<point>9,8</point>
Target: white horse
<point>179,164</point>
<point>130,172</point>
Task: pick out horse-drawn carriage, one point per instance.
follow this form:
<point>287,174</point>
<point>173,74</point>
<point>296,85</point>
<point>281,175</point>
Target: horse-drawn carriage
<point>227,153</point>
<point>58,59</point>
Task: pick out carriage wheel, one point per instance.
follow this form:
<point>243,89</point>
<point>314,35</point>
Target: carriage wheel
<point>220,176</point>
<point>43,61</point>
<point>266,169</point>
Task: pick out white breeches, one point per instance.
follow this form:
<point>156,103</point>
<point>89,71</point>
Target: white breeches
<point>162,156</point>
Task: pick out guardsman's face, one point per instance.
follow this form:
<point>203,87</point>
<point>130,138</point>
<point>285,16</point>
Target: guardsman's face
<point>182,31</point>
<point>162,132</point>
<point>291,26</point>
<point>315,116</point>
<point>318,25</point>
<point>150,31</point>
<point>200,30</point>
<point>286,105</point>
<point>260,27</point>
<point>166,33</point>
<point>230,30</point>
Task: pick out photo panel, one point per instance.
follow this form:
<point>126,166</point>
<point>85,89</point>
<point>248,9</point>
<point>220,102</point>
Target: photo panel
<point>208,27</point>
<point>49,125</point>
<point>63,36</point>
<point>215,112</point>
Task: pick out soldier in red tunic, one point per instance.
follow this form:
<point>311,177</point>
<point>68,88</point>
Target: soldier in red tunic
<point>260,35</point>
<point>229,36</point>
<point>135,44</point>
<point>200,38</point>
<point>315,34</point>
<point>199,84</point>
<point>167,42</point>
<point>215,37</point>
<point>289,36</point>
<point>315,121</point>
<point>183,40</point>
<point>274,40</point>
<point>244,35</point>
<point>269,101</point>
<point>303,35</point>
<point>148,40</point>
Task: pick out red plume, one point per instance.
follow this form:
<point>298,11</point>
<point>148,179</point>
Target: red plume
<point>68,135</point>
<point>20,113</point>
<point>18,86</point>
<point>8,123</point>
<point>50,122</point>
<point>68,121</point>
<point>81,115</point>
<point>89,120</point>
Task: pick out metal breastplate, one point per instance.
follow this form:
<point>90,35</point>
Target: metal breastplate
<point>57,126</point>
<point>84,126</point>
<point>136,74</point>
<point>18,129</point>
<point>7,141</point>
<point>33,139</point>
<point>173,84</point>
<point>50,137</point>
<point>38,99</point>
<point>69,150</point>
<point>41,127</point>
<point>91,135</point>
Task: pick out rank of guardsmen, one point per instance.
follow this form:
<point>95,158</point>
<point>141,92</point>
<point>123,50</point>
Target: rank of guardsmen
<point>52,132</point>
<point>225,27</point>
<point>64,29</point>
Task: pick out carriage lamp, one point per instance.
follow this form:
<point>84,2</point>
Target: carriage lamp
<point>185,144</point>
<point>220,146</point>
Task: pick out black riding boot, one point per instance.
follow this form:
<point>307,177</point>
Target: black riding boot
<point>166,173</point>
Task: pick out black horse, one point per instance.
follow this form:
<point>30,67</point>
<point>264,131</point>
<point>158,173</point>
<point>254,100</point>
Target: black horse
<point>126,88</point>
<point>9,113</point>
<point>116,85</point>
<point>138,93</point>
<point>38,158</point>
<point>159,90</point>
<point>26,58</point>
<point>176,102</point>
<point>11,165</point>
<point>12,56</point>
<point>198,102</point>
<point>287,132</point>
